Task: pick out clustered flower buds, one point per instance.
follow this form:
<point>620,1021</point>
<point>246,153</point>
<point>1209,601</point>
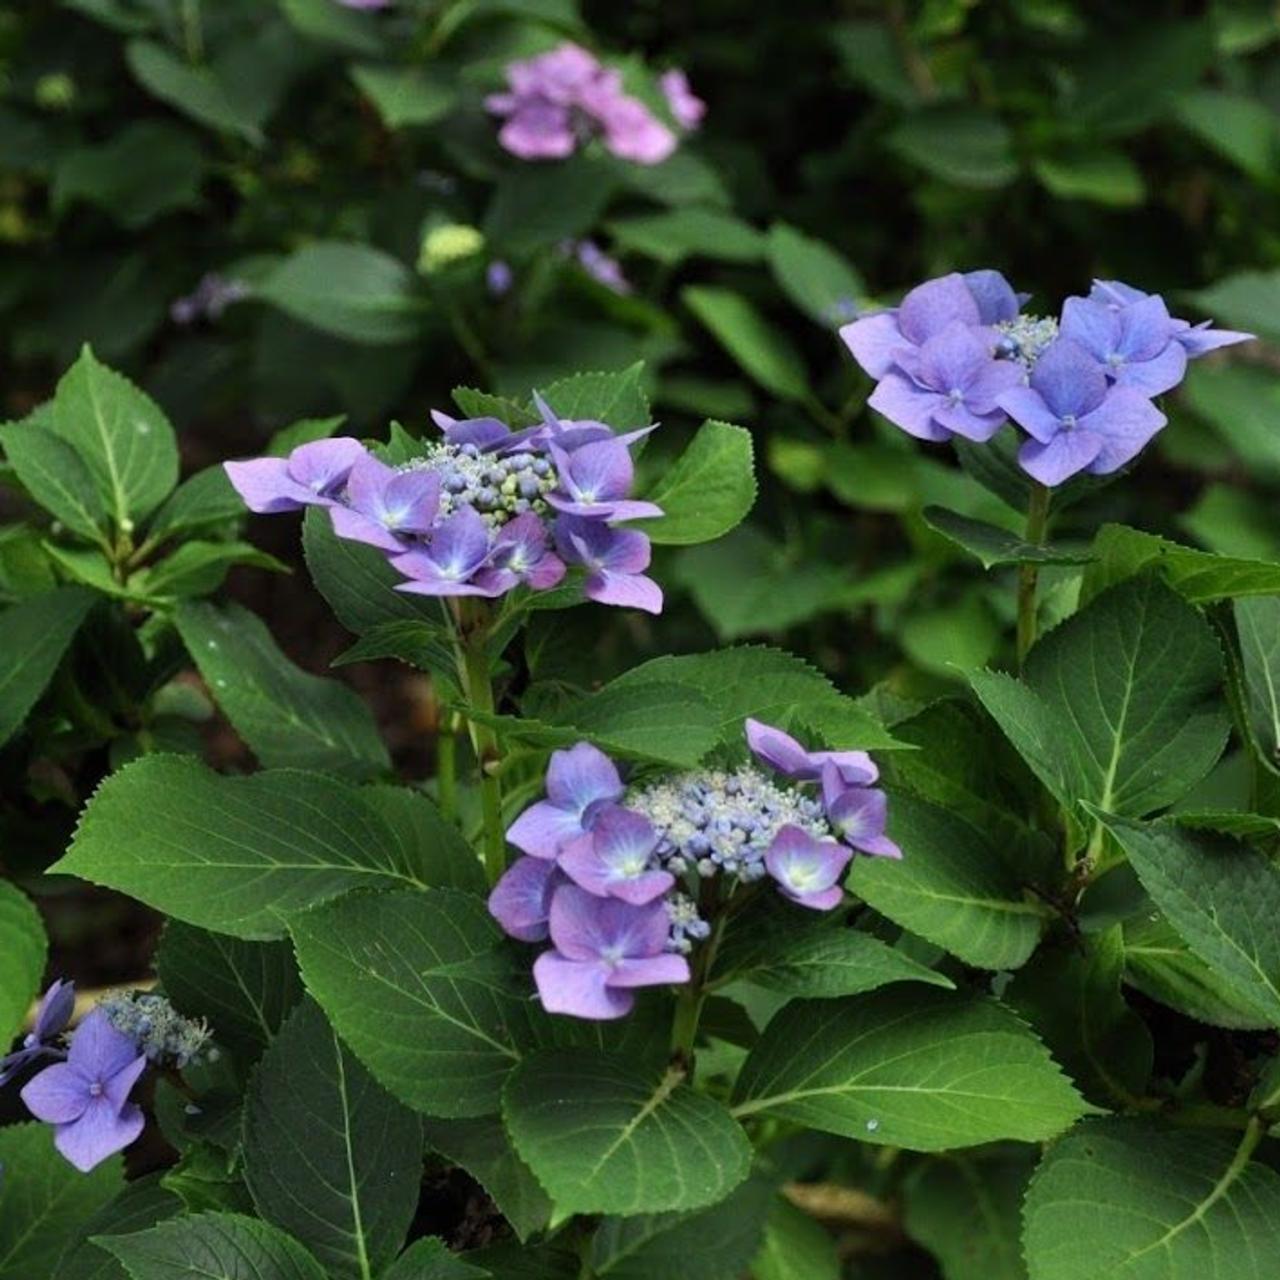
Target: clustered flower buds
<point>959,358</point>
<point>482,511</point>
<point>559,100</point>
<point>614,875</point>
<point>84,1093</point>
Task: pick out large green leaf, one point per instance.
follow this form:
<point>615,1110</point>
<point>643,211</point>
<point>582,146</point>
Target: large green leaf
<point>121,434</point>
<point>329,1156</point>
<point>1125,1199</point>
<point>708,490</point>
<point>965,1212</point>
<point>952,887</point>
<point>1119,706</point>
<point>433,847</point>
<point>44,1200</point>
<point>691,232</point>
<point>33,637</point>
<point>406,95</point>
<point>966,147</point>
<point>424,989</point>
<point>55,475</point>
<point>764,352</point>
<point>813,275</point>
<point>244,989</point>
<point>617,399</point>
<point>22,956</point>
<point>604,1136</point>
<point>1239,401</point>
<point>334,25</point>
<point>993,545</point>
<point>195,91</point>
<point>795,1247</point>
<point>1223,898</point>
<point>916,1068</point>
<point>290,718</point>
<point>1258,625</point>
<point>536,206</point>
<point>237,855</point>
<point>141,1204</point>
<point>352,291</point>
<point>203,503</point>
<point>1243,129</point>
<point>216,1245</point>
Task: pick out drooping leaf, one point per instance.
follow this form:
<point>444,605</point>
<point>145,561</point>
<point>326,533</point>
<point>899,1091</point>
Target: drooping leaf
<point>1102,175</point>
<point>917,1068</point>
<point>764,352</point>
<point>814,276</point>
<point>424,989</point>
<point>329,1156</point>
<point>406,95</point>
<point>1152,1202</point>
<point>195,91</point>
<point>34,635</point>
<point>691,232</point>
<point>993,545</point>
<point>196,568</point>
<point>290,718</point>
<point>236,855</point>
<point>708,490</point>
<point>201,504</point>
<point>966,147</point>
<point>44,1200</point>
<point>952,887</point>
<point>22,955</point>
<point>604,1136</point>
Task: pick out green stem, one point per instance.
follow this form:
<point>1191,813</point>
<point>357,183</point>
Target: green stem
<point>476,674</point>
<point>447,769</point>
<point>1028,574</point>
<point>693,995</point>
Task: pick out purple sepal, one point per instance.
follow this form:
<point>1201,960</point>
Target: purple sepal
<point>807,870</point>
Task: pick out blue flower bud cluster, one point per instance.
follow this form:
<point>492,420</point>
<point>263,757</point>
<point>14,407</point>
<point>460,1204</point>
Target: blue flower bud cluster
<point>158,1029</point>
<point>687,926</point>
<point>716,820</point>
<point>1025,338</point>
<point>498,488</point>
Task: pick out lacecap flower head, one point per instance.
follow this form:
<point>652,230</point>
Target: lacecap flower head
<point>612,874</point>
<point>484,510</point>
<point>958,357</point>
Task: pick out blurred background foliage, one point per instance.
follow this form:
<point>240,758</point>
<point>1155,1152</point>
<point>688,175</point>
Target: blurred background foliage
<point>337,167</point>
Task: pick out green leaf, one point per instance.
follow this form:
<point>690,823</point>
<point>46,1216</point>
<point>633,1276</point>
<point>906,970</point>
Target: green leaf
<point>813,275</point>
<point>423,988</point>
<point>422,644</point>
<point>1248,300</point>
<point>952,887</point>
<point>716,1244</point>
<point>1243,129</point>
<point>431,1259</point>
<point>213,1244</point>
<point>22,955</point>
<point>290,718</point>
<point>121,434</point>
<point>147,169</point>
<point>206,1177</point>
<point>1239,402</point>
<point>141,1204</point>
<point>872,58</point>
<point>777,949</point>
<point>1152,1202</point>
<point>763,351</point>
<point>795,1247</point>
<point>352,291</point>
<point>482,1148</point>
<point>922,1069</point>
<point>1102,175</point>
<point>993,545</point>
<point>770,685</point>
<point>195,91</point>
<point>1258,625</point>
<point>963,146</point>
<point>33,637</point>
<point>708,490</point>
<point>236,855</point>
<point>690,232</point>
<point>204,503</point>
<point>1222,897</point>
<point>333,25</point>
<point>603,1136</point>
<point>1120,553</point>
<point>328,1155</point>
<point>433,847</point>
<point>535,206</point>
<point>1071,996</point>
<point>1159,964</point>
<point>951,639</point>
<point>244,989</point>
<point>1119,706</point>
<point>44,1200</point>
<point>406,95</point>
<point>617,399</point>
<point>197,568</point>
<point>966,1213</point>
<point>54,475</point>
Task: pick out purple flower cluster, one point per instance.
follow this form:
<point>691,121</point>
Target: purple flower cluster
<point>84,1093</point>
<point>482,511</point>
<point>561,99</point>
<point>612,875</point>
<point>958,357</point>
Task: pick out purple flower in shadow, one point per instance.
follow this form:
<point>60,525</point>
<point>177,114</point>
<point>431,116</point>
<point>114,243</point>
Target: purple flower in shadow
<point>950,385</point>
<point>580,782</point>
<point>86,1098</point>
<point>857,814</point>
<point>613,859</point>
<point>604,948</point>
<point>312,475</point>
<point>383,505</point>
<point>615,560</point>
<point>55,1010</point>
<point>782,752</point>
<point>1077,420</point>
<point>807,870</point>
<point>521,900</point>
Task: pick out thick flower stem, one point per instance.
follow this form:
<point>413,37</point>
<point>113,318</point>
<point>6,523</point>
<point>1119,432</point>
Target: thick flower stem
<point>447,769</point>
<point>693,995</point>
<point>1028,574</point>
